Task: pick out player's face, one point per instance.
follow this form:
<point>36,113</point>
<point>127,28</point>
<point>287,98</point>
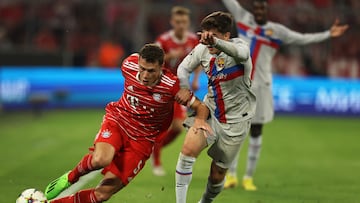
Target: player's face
<point>149,73</point>
<point>180,24</point>
<point>219,35</point>
<point>260,12</point>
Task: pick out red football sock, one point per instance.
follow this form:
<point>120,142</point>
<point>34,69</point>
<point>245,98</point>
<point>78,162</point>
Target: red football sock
<point>157,154</point>
<point>83,196</point>
<point>83,167</point>
<point>171,135</point>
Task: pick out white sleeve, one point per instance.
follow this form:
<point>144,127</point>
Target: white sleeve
<point>188,65</point>
<point>291,37</point>
<point>236,9</point>
<point>239,50</point>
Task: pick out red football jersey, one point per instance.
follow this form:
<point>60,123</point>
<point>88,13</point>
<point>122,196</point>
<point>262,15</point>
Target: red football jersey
<point>143,111</point>
<point>169,42</point>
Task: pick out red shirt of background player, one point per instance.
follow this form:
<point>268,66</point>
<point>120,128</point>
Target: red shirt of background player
<point>168,42</point>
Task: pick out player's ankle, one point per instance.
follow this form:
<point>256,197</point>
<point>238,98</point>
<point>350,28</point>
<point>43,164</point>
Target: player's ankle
<point>72,178</point>
<point>247,177</point>
<point>157,164</point>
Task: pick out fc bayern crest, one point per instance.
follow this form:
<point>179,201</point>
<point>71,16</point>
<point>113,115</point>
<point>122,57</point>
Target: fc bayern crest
<point>221,63</point>
<point>157,96</point>
<point>106,133</point>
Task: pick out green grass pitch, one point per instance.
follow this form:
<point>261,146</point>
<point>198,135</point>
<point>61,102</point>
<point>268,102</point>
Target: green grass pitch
<point>304,159</point>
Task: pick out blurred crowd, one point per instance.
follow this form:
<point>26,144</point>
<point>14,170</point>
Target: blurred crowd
<point>102,32</point>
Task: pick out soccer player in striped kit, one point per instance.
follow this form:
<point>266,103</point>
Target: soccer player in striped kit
<point>227,63</point>
<point>130,128</point>
<point>265,38</point>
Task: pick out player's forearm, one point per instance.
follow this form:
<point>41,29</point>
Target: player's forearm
<point>202,112</point>
<point>197,71</point>
<point>184,76</point>
<point>317,37</point>
<point>197,74</point>
<point>308,38</point>
<point>239,53</point>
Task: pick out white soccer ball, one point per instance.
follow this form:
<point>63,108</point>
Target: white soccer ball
<point>31,196</point>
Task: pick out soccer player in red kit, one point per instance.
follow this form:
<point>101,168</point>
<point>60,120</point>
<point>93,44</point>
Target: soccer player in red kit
<point>176,43</point>
<point>129,129</point>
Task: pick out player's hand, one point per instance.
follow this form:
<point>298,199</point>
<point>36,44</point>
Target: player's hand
<point>201,124</point>
<point>337,30</point>
<point>183,96</point>
<point>207,38</point>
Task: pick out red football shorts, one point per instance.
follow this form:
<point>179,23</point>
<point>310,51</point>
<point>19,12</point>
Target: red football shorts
<point>179,111</point>
<point>130,155</point>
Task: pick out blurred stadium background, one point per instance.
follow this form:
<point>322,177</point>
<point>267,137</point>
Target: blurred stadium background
<point>55,79</point>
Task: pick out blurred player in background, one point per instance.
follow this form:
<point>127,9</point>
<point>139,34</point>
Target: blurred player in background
<point>176,43</point>
<point>229,99</point>
<point>264,38</point>
<point>130,128</point>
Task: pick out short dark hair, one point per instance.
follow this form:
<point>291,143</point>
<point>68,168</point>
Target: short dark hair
<point>152,53</point>
<point>179,10</point>
<point>221,21</point>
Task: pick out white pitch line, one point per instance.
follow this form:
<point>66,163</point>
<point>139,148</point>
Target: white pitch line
<point>80,184</point>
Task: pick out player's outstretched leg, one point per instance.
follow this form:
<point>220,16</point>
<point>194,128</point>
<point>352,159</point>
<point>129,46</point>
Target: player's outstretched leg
<point>107,187</point>
<point>215,183</point>
<point>194,143</point>
<point>101,157</point>
<point>253,156</point>
<point>63,182</point>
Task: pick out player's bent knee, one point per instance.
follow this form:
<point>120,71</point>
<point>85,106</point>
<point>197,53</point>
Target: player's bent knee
<point>103,155</point>
<point>189,151</point>
<point>194,143</point>
<point>101,160</point>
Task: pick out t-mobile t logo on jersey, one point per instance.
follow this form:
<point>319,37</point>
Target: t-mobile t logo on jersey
<point>134,101</point>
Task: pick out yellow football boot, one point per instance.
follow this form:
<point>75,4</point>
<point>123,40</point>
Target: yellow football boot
<point>231,181</point>
<point>248,184</point>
